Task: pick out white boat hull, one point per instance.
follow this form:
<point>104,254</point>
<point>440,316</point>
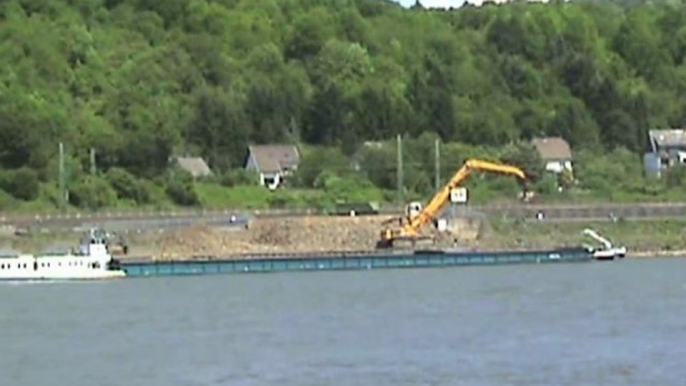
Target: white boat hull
<point>95,263</point>
<point>106,275</point>
<point>610,254</point>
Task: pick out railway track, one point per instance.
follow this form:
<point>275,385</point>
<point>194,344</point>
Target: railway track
<point>138,221</point>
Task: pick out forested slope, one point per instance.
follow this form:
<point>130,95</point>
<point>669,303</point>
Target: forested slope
<point>141,80</point>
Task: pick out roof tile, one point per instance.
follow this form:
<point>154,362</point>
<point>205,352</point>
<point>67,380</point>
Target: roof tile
<point>275,158</point>
<point>553,148</point>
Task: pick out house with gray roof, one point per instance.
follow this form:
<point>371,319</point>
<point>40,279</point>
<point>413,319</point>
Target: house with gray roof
<point>666,149</point>
<point>555,152</point>
<point>196,166</point>
<point>273,163</point>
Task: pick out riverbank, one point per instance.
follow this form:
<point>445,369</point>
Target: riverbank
<point>325,234</point>
<point>644,238</point>
<point>653,254</point>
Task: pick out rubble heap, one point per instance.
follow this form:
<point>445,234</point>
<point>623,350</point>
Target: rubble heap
<point>278,235</point>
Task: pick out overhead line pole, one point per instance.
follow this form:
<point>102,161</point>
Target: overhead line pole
<point>437,154</point>
<point>61,181</point>
<point>94,168</point>
<point>399,176</point>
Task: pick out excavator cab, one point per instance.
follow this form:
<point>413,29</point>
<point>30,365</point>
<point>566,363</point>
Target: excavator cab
<point>413,209</point>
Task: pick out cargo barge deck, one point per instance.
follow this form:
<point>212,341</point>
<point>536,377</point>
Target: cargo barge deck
<point>350,261</point>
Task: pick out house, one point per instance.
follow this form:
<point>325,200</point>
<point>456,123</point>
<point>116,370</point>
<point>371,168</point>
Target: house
<point>666,148</point>
<point>555,152</point>
<point>272,163</point>
<point>456,4</point>
<point>196,166</point>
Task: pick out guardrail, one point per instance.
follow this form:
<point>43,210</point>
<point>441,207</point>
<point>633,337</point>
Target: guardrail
<point>11,218</point>
<point>15,217</point>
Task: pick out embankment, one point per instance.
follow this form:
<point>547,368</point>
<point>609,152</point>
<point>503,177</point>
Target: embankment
<point>315,234</point>
<point>326,234</point>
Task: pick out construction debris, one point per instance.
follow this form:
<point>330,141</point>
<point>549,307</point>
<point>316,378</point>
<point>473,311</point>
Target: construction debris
<point>284,235</point>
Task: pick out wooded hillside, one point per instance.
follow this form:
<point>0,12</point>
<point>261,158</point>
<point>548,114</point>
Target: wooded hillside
<point>141,80</point>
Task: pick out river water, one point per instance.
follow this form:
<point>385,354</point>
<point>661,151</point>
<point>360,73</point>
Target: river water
<point>612,323</point>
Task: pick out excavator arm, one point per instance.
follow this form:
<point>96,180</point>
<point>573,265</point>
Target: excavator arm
<point>432,209</point>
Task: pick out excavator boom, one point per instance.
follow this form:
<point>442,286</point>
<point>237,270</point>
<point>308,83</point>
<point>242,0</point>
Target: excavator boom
<point>433,208</point>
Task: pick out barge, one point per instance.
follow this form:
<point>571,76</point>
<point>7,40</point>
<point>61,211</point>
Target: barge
<point>350,261</point>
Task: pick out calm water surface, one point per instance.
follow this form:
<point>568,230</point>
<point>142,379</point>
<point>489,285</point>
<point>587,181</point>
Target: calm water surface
<point>615,323</point>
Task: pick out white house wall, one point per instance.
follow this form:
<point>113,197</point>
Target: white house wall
<point>274,177</point>
<point>558,166</point>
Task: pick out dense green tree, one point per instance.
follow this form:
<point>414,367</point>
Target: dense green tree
<point>140,81</point>
<point>127,186</point>
<point>220,128</point>
<point>318,161</point>
<point>22,183</point>
<point>179,187</point>
<point>525,156</point>
<point>92,193</point>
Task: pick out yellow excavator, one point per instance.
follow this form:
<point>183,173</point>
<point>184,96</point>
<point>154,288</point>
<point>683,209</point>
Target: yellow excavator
<point>416,217</point>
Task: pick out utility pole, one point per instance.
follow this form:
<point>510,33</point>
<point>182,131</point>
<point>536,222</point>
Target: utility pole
<point>437,170</point>
<point>62,181</point>
<point>93,166</point>
<point>399,170</point>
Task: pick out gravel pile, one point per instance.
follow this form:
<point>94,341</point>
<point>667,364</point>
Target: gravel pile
<point>274,235</point>
<point>312,234</point>
<point>195,241</point>
<point>279,235</point>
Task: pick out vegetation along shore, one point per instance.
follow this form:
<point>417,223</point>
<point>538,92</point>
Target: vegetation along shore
<point>131,88</point>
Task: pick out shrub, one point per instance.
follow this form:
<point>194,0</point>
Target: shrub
<point>93,192</point>
<point>331,160</point>
<point>181,190</point>
<point>547,184</point>
<point>50,193</point>
<point>6,200</point>
<point>127,186</point>
<point>21,183</point>
<point>675,177</point>
<point>525,156</point>
<point>239,177</point>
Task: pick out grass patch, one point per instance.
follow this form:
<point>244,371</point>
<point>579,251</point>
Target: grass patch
<point>217,196</point>
<point>635,235</point>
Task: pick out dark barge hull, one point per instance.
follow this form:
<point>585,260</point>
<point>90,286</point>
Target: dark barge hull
<point>359,261</point>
